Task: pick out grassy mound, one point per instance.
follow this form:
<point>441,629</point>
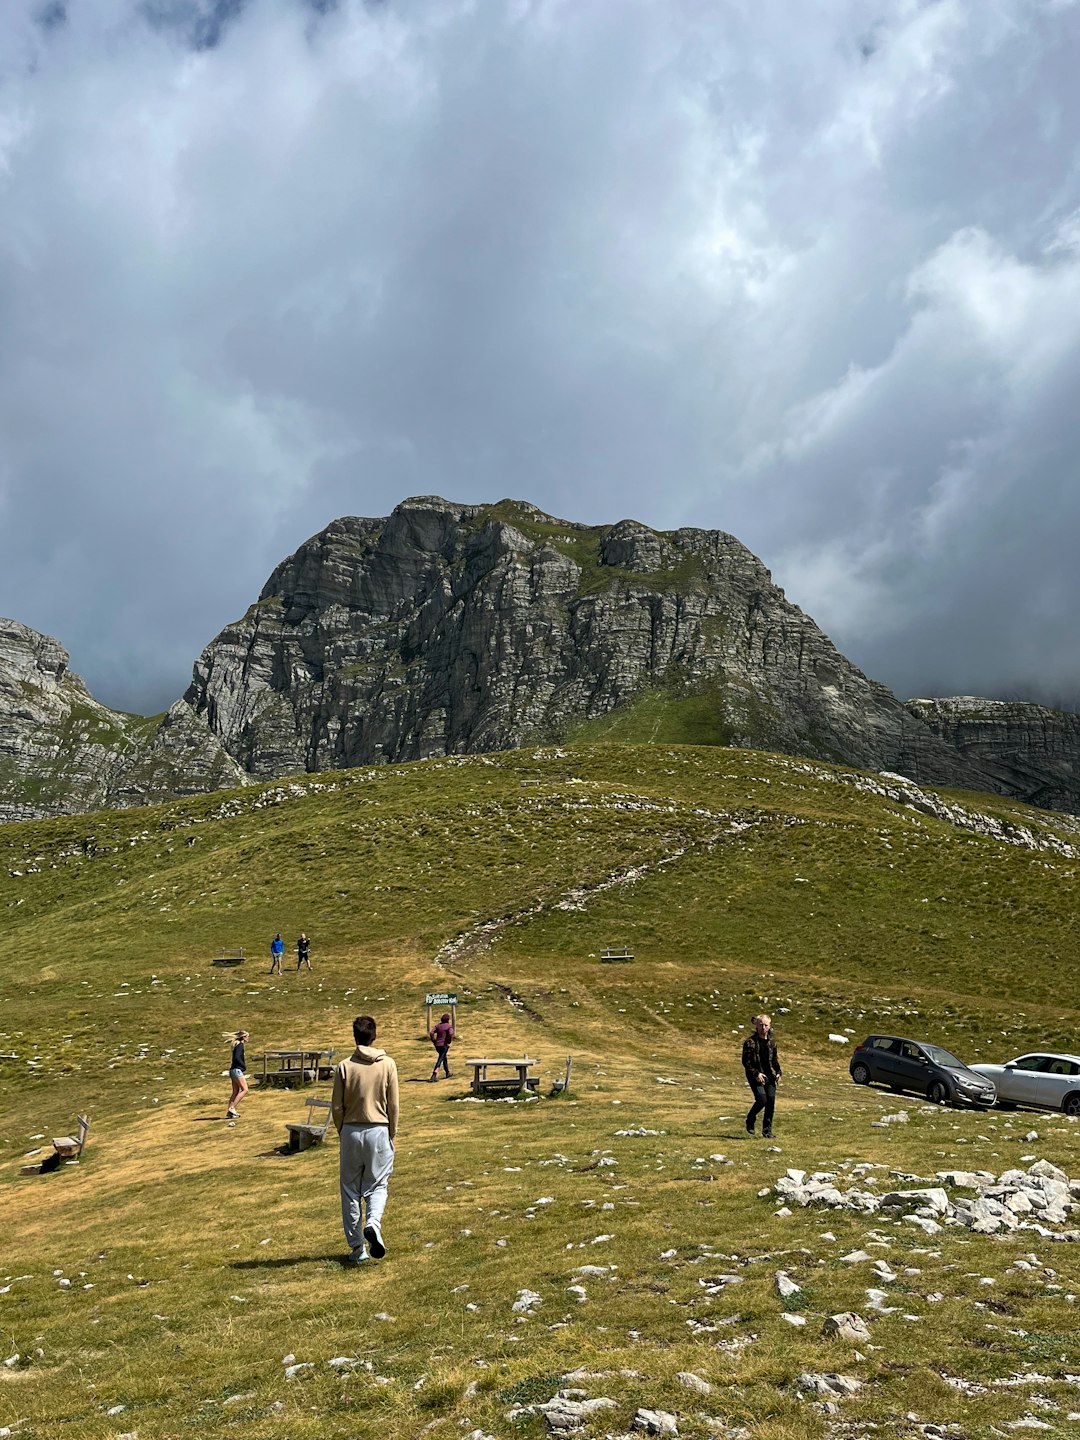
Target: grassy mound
<point>174,1268</point>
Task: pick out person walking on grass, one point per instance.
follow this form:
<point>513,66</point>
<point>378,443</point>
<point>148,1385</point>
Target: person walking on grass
<point>277,949</point>
<point>762,1066</point>
<point>237,1068</point>
<point>442,1037</point>
<point>364,1109</point>
<point>303,949</point>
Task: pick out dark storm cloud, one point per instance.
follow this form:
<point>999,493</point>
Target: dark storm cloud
<point>808,274</point>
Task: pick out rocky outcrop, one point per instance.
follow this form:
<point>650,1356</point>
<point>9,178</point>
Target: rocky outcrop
<point>1025,750</point>
<point>450,628</point>
<point>447,629</point>
<point>61,752</point>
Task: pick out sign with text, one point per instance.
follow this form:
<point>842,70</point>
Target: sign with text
<point>442,998</point>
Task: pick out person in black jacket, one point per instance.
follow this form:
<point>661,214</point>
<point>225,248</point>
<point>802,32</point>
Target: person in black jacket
<point>237,1067</point>
<point>303,951</point>
<point>762,1066</point>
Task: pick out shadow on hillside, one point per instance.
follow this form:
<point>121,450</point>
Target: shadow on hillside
<point>282,1262</point>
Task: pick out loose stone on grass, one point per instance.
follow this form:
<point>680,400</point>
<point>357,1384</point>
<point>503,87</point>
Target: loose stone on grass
<point>689,1381</point>
<point>655,1422</point>
<point>847,1326</point>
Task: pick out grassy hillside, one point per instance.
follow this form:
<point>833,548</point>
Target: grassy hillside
<point>198,1255</point>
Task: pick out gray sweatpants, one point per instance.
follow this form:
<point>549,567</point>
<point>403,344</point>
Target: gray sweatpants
<point>366,1160</point>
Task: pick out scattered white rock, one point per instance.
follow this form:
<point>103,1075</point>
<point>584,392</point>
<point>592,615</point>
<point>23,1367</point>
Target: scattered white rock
<point>831,1385</point>
<point>847,1326</point>
<point>655,1422</point>
<point>689,1381</point>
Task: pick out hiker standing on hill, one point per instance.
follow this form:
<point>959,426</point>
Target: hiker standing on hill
<point>364,1109</point>
<point>762,1066</point>
<point>237,1067</point>
<point>442,1037</point>
<point>277,949</point>
<point>303,946</point>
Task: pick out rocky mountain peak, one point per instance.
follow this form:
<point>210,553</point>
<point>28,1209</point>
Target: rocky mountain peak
<point>445,628</point>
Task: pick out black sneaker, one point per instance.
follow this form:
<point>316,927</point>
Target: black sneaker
<point>766,1134</point>
<point>376,1248</point>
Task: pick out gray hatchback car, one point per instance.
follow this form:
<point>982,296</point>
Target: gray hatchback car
<point>917,1066</point>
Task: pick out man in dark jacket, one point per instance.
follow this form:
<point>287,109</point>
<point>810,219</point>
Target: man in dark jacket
<point>762,1066</point>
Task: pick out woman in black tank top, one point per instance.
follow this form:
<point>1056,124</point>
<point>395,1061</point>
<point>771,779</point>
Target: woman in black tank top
<point>237,1067</point>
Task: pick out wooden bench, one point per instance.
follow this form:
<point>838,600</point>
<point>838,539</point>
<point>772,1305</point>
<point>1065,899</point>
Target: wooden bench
<point>616,956</point>
<point>520,1083</point>
<point>70,1147</point>
<point>304,1133</point>
<point>230,955</point>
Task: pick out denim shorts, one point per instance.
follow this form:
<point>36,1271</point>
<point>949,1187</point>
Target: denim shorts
<point>236,1074</point>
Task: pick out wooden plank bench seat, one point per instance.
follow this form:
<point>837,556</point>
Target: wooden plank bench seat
<point>612,955</point>
<point>305,1133</point>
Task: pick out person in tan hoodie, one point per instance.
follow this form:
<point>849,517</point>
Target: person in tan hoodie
<point>364,1109</point>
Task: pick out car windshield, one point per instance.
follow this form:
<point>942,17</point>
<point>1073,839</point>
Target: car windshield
<point>943,1057</point>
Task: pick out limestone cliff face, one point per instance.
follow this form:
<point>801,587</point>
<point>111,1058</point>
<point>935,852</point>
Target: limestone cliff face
<point>452,628</point>
<point>448,628</point>
<point>61,752</point>
<point>1027,750</point>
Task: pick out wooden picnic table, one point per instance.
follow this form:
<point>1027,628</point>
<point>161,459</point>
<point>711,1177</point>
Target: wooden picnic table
<point>483,1083</point>
<point>295,1067</point>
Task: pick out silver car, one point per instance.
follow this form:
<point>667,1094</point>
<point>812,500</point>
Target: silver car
<point>1051,1082</point>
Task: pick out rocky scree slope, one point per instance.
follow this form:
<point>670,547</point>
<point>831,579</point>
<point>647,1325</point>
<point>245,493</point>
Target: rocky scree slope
<point>62,753</point>
<point>451,628</point>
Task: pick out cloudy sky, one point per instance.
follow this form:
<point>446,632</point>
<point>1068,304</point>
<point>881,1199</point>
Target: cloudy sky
<point>809,273</point>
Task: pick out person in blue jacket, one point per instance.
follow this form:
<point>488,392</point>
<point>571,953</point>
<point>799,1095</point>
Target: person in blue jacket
<point>277,949</point>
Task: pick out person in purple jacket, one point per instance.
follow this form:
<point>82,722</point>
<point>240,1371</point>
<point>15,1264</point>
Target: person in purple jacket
<point>442,1036</point>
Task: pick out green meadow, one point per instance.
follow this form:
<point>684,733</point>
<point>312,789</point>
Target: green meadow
<point>159,1285</point>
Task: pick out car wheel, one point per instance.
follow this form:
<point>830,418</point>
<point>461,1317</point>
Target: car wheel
<point>1071,1103</point>
<point>860,1074</point>
<point>937,1094</point>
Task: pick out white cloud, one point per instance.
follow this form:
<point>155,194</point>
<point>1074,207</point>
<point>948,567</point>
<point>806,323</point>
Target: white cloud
<point>804,273</point>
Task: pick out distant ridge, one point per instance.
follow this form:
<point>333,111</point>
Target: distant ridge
<point>446,628</point>
<point>63,753</point>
